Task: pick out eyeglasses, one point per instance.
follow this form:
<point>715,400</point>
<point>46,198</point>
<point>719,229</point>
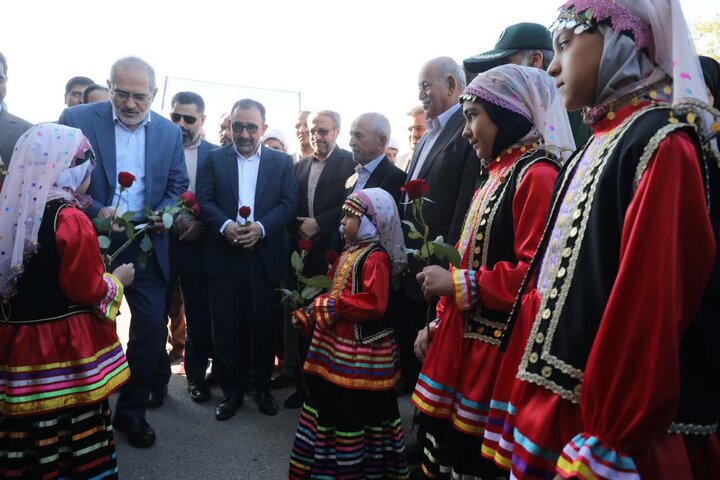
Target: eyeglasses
<point>189,119</point>
<point>125,96</point>
<point>320,132</point>
<point>239,127</point>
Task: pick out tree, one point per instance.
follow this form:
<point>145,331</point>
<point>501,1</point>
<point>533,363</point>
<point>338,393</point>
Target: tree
<point>706,35</point>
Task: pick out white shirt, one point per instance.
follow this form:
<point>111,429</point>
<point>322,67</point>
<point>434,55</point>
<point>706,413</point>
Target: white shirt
<point>247,183</point>
<point>130,157</point>
<point>364,172</point>
<point>191,159</point>
<point>434,127</point>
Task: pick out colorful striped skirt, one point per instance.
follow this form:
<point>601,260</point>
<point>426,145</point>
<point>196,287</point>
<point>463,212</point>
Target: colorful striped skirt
<point>76,443</point>
<point>348,434</point>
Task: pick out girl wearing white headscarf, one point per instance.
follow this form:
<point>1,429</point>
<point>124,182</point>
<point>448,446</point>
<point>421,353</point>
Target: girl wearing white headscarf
<point>350,425</point>
<point>519,129</point>
<point>619,374</point>
<point>60,357</point>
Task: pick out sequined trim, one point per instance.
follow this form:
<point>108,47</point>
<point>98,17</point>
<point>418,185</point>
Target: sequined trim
<point>538,365</point>
<point>651,148</point>
<point>692,429</point>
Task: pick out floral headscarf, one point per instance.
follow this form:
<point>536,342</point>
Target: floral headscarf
<point>378,210</point>
<point>42,157</point>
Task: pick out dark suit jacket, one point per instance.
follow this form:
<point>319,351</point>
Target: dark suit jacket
<point>11,128</point>
<point>165,171</point>
<point>276,201</point>
<point>451,169</point>
<point>386,176</point>
<point>327,206</point>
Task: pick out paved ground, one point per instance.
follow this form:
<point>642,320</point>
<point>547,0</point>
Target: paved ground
<point>193,445</point>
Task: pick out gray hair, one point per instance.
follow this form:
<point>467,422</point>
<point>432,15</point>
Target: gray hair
<point>379,123</point>
<point>548,56</point>
<point>334,116</point>
<point>134,63</point>
<point>447,67</point>
<point>416,110</point>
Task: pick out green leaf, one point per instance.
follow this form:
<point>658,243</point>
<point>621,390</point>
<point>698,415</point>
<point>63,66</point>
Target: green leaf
<point>408,251</point>
<point>146,244</point>
<point>102,225</point>
<point>448,252</point>
<point>410,225</point>
<point>147,211</point>
<point>104,242</point>
<point>414,235</point>
<point>302,279</point>
<point>167,220</point>
<point>142,259</point>
<point>308,293</point>
<point>320,281</point>
<point>127,216</point>
<point>284,291</point>
<point>296,261</point>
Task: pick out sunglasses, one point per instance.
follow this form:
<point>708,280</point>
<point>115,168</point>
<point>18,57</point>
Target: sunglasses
<point>189,119</point>
<point>239,127</point>
<point>321,132</point>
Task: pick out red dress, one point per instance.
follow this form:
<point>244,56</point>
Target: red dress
<point>630,386</point>
<point>461,366</point>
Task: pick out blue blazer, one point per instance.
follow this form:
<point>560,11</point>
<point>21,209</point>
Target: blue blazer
<point>276,203</point>
<point>165,172</point>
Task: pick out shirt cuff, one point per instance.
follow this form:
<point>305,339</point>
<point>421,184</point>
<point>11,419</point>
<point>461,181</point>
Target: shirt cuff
<point>585,457</point>
<point>261,228</point>
<point>109,307</point>
<point>224,225</point>
<point>466,292</point>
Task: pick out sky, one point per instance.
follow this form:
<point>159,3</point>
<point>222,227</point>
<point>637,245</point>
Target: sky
<point>352,57</point>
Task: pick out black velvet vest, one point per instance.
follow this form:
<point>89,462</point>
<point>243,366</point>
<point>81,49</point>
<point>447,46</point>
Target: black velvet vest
<point>371,331</point>
<point>39,296</point>
<point>494,242</point>
<point>581,268</point>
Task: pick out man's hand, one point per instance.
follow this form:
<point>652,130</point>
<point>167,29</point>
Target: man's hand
<point>422,342</point>
<point>192,232</point>
<point>181,224</point>
<point>232,234</point>
<point>308,228</point>
<point>249,235</point>
<point>108,212</point>
<point>435,281</point>
<point>157,225</point>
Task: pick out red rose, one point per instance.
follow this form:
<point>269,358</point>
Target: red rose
<point>188,199</point>
<point>244,212</point>
<point>415,188</point>
<point>305,245</point>
<point>126,179</point>
<point>196,209</point>
<point>331,256</point>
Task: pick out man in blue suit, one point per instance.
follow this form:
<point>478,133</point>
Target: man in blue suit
<point>187,238</point>
<point>245,259</point>
<point>127,136</point>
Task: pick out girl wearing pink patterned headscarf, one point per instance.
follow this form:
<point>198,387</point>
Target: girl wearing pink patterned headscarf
<point>60,357</point>
<point>619,376</point>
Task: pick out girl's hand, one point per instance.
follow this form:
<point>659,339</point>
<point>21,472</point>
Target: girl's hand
<point>435,281</point>
<point>125,273</point>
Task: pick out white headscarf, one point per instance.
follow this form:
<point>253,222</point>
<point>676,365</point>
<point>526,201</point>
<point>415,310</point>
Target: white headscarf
<point>40,158</point>
<point>531,93</point>
<point>379,221</point>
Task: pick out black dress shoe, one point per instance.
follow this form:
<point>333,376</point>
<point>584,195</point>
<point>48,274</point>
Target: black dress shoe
<point>228,407</point>
<point>139,433</point>
<point>265,402</point>
<point>295,400</point>
<point>282,381</point>
<point>157,396</point>
<point>198,393</point>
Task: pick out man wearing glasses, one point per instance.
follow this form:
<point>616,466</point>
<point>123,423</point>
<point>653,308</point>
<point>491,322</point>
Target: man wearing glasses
<point>186,249</point>
<point>321,178</point>
<point>127,136</point>
<point>244,255</point>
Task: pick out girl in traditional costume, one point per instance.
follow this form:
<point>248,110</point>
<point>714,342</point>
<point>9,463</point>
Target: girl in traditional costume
<point>618,376</point>
<point>519,129</point>
<point>350,426</point>
<point>60,357</point>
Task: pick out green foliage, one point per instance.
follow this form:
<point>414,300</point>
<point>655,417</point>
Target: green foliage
<point>104,242</point>
<point>706,35</point>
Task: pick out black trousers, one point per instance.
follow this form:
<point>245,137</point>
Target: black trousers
<point>410,316</point>
<point>244,305</point>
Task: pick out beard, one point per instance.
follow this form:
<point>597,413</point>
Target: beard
<point>245,147</point>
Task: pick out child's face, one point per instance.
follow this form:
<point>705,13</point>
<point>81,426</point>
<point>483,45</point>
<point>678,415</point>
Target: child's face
<point>575,66</point>
<point>351,225</point>
<point>479,130</point>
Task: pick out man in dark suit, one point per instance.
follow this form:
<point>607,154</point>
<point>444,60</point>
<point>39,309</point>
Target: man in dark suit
<point>369,137</point>
<point>321,179</point>
<point>245,261</point>
<point>186,250</point>
<point>127,136</point>
<point>11,127</point>
<point>445,160</point>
